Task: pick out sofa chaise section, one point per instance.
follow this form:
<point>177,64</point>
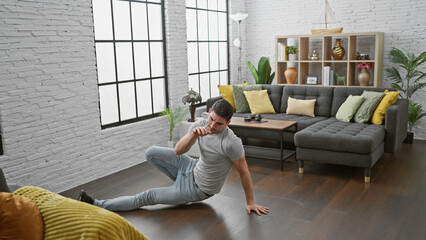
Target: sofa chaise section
<point>352,144</point>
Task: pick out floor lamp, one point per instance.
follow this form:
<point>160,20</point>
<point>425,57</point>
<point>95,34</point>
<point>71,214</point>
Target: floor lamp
<point>239,17</point>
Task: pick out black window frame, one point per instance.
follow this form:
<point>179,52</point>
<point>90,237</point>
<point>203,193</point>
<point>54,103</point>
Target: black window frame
<point>117,82</point>
<point>204,101</point>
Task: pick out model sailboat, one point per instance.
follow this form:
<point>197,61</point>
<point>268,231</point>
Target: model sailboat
<point>327,16</point>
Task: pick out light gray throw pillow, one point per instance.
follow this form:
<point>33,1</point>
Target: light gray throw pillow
<point>366,110</point>
<point>348,109</point>
<point>241,104</point>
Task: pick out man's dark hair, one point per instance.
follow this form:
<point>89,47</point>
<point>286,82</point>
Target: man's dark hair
<point>223,108</point>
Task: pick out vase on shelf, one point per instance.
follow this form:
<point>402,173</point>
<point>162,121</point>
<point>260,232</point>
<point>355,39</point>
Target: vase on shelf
<point>338,51</point>
<point>290,75</point>
<point>363,77</point>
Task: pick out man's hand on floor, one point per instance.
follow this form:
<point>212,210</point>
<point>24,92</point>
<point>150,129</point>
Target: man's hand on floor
<point>259,210</point>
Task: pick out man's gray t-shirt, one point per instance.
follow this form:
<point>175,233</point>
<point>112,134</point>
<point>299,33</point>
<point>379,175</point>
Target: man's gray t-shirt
<point>217,153</point>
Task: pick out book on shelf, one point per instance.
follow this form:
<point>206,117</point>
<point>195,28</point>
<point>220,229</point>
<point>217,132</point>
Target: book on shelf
<point>282,52</point>
<point>331,82</point>
<point>279,55</point>
<point>326,76</point>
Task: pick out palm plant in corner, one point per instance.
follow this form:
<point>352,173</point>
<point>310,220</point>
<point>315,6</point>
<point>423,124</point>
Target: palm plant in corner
<point>174,116</point>
<point>263,73</point>
<point>408,84</point>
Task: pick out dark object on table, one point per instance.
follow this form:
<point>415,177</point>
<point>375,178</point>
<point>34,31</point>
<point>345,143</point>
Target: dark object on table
<point>250,117</point>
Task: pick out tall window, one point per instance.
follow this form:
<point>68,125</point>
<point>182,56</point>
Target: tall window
<point>130,59</point>
<point>207,31</point>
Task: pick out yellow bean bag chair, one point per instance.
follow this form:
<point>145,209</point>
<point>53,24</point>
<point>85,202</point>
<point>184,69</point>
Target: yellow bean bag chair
<point>65,218</point>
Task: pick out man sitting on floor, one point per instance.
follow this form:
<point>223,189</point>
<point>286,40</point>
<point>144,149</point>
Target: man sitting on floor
<point>194,180</point>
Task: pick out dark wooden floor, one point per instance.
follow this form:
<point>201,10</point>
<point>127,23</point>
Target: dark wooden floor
<point>326,202</point>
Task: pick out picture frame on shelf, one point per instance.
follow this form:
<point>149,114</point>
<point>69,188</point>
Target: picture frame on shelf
<point>311,80</point>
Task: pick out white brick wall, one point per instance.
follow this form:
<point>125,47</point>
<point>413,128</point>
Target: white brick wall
<point>49,110</point>
<point>402,22</point>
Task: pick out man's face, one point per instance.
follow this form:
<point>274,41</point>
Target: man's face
<point>216,123</point>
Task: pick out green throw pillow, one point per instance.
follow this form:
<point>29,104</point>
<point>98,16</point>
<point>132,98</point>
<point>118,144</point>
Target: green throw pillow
<point>349,108</point>
<point>366,110</point>
<point>241,104</point>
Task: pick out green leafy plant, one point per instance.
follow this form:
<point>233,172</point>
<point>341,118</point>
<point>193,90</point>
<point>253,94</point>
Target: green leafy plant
<point>415,113</point>
<point>263,73</point>
<point>409,83</point>
<point>174,116</point>
<point>292,50</point>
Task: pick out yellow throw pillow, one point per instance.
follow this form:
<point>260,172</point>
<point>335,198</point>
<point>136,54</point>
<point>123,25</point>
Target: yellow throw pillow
<point>259,101</point>
<point>379,113</point>
<point>227,93</point>
<point>301,107</point>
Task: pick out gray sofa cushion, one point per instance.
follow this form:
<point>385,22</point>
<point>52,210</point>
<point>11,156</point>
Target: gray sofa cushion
<point>324,96</point>
<point>275,93</point>
<point>338,136</point>
<point>341,93</point>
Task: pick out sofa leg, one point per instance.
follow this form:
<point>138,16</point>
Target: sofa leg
<point>301,165</point>
<point>367,172</point>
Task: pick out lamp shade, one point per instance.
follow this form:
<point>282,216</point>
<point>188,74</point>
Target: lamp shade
<point>238,17</point>
<point>191,97</point>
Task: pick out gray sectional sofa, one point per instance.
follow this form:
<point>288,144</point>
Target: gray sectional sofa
<point>323,138</point>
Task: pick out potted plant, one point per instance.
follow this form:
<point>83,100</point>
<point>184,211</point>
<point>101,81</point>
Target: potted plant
<point>292,51</point>
<point>409,83</point>
<point>364,75</point>
<point>415,113</point>
<point>263,73</point>
<point>174,116</point>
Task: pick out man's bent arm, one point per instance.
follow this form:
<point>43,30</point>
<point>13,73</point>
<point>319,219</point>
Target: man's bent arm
<point>189,139</point>
<point>242,168</point>
<point>185,143</point>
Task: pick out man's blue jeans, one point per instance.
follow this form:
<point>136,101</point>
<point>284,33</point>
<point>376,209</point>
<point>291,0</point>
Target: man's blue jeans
<point>178,168</point>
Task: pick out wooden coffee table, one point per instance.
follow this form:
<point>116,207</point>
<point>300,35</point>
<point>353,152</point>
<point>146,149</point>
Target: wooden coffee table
<point>275,126</point>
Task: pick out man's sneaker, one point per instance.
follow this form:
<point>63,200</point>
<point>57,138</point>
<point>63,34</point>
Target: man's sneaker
<point>85,198</point>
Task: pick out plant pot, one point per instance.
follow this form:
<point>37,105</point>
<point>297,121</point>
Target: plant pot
<point>409,138</point>
<point>290,75</point>
<point>292,57</point>
<point>170,144</point>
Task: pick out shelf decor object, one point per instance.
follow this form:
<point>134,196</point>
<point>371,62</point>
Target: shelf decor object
<point>314,55</point>
<point>326,16</point>
<point>311,80</point>
<point>239,17</point>
<point>340,79</point>
<point>364,75</point>
<point>292,53</point>
<point>367,45</point>
<point>290,75</point>
<point>338,50</point>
